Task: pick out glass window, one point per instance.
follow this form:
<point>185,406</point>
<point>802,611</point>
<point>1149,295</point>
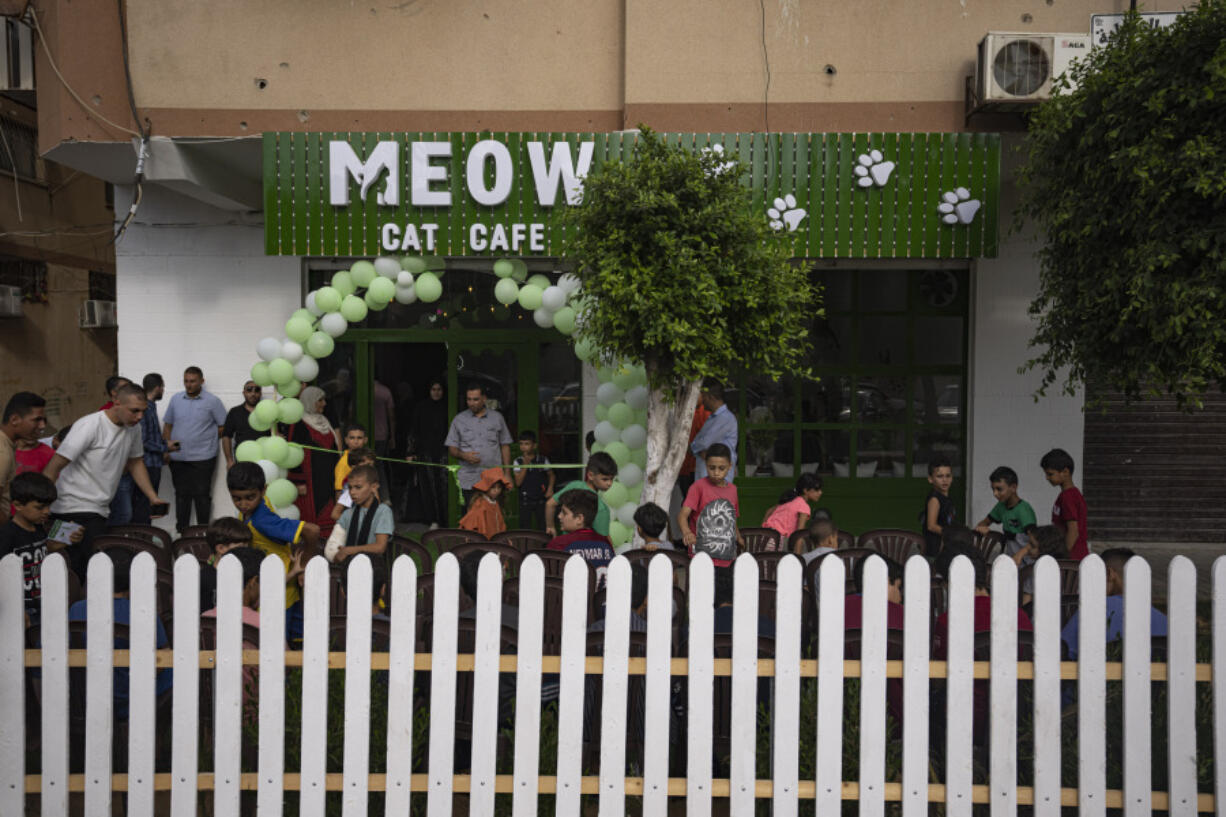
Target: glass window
<point>770,401</point>
<point>883,341</point>
<point>938,341</point>
<point>938,398</point>
<point>827,400</point>
<point>881,399</point>
<point>768,453</point>
<point>831,342</point>
<point>883,290</point>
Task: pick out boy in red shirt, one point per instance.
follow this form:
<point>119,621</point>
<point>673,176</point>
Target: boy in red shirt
<point>1070,512</point>
<point>713,488</point>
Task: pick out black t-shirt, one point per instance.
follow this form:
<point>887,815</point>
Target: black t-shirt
<point>237,427</point>
<point>945,517</point>
<point>31,546</point>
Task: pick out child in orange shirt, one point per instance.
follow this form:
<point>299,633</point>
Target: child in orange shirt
<point>485,511</point>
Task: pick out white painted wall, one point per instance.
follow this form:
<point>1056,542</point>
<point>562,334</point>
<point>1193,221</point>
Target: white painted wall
<point>1007,426</point>
<point>198,291</point>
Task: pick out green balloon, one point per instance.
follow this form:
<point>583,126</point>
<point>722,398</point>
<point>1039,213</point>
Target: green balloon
<point>281,370</point>
<point>602,412</point>
<point>374,304</point>
<point>257,423</point>
<point>506,292</point>
<point>616,495</point>
<point>248,451</point>
<point>502,268</point>
<point>353,308</point>
<point>435,263</point>
<point>289,411</point>
<point>429,287</point>
<point>623,378</point>
<point>274,448</point>
<point>621,415</point>
<point>619,451</point>
<point>298,330</point>
<point>640,417</point>
<point>540,280</point>
<point>639,457</point>
<point>328,299</point>
<point>597,448</point>
<point>382,289</point>
<point>342,282</point>
<point>320,344</point>
<point>585,350</point>
<point>563,320</point>
<point>640,372</point>
<point>294,457</point>
<point>604,374</point>
<point>411,264</point>
<point>281,493</point>
<point>289,389</point>
<point>363,273</point>
<point>304,313</point>
<point>260,374</point>
<point>266,411</point>
<point>530,297</point>
<point>519,270</point>
<point>619,534</point>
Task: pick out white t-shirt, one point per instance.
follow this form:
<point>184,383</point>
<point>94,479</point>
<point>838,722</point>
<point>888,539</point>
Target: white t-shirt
<point>97,451</point>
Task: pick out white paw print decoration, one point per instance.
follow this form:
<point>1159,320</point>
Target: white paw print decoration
<point>957,207</point>
<point>873,169</point>
<point>785,213</point>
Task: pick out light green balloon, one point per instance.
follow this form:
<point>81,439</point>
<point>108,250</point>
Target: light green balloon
<point>604,374</point>
<point>640,371</point>
<point>382,289</point>
<point>639,457</point>
<point>597,448</point>
<point>281,370</point>
<point>503,268</point>
<point>289,411</point>
<point>275,448</point>
<point>258,424</point>
<point>623,378</point>
<point>321,344</point>
<point>294,457</point>
<point>640,417</point>
<point>328,299</point>
<point>619,534</point>
<point>353,308</point>
<point>281,493</point>
<point>266,411</point>
<point>412,264</point>
<point>616,495</point>
<point>564,320</point>
<point>298,330</point>
<point>248,451</point>
<point>363,273</point>
<point>259,373</point>
<point>343,283</point>
<point>506,292</point>
<point>621,415</point>
<point>429,288</point>
<point>374,304</point>
<point>584,348</point>
<point>519,270</point>
<point>602,412</point>
<point>289,389</point>
<point>619,451</point>
<point>540,280</point>
<point>530,297</point>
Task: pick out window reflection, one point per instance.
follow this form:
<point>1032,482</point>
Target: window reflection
<point>938,398</point>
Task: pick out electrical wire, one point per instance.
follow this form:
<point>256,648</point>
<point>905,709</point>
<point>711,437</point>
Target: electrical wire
<point>766,93</point>
<point>145,127</point>
<point>13,164</point>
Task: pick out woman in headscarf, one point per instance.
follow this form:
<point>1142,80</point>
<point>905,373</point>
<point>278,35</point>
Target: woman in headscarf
<point>430,423</point>
<point>314,477</point>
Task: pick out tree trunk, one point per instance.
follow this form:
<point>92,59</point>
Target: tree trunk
<point>668,439</point>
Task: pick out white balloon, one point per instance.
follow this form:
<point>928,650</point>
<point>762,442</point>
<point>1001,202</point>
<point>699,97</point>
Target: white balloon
<point>291,351</point>
<point>387,267</point>
<point>334,324</point>
<point>404,279</point>
<point>608,394</point>
<point>605,432</point>
<point>543,318</point>
<point>268,349</point>
<point>569,283</point>
<point>636,398</point>
<point>290,512</point>
<point>282,473</point>
<point>631,475</point>
<point>406,295</point>
<point>306,370</point>
<point>634,436</point>
<point>311,307</point>
<point>625,514</point>
<point>270,470</point>
<point>553,298</point>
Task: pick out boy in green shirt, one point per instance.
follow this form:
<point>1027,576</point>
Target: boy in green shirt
<point>597,477</point>
<point>1014,514</point>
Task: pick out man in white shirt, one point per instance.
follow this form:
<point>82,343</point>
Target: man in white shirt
<point>87,466</point>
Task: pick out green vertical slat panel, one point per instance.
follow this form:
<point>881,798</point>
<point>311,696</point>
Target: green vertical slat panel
<point>316,193</point>
<point>949,181</point>
<point>843,199</point>
<point>979,177</point>
<point>965,178</point>
<point>992,198</point>
<point>301,203</point>
<point>800,161</point>
<point>357,226</point>
<point>343,214</point>
<point>830,195</point>
<point>378,214</point>
<point>888,145</point>
<point>521,210</point>
<point>271,209</point>
<point>464,210</point>
<point>285,187</point>
<point>327,220</point>
<point>784,182</point>
<point>455,183</point>
<point>757,164</point>
<point>860,200</point>
<point>917,201</point>
<point>933,189</point>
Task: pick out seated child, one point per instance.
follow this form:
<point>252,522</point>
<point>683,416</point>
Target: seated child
<point>249,560</point>
<point>1012,513</point>
<point>956,539</point>
<point>1045,540</point>
<point>792,512</point>
<point>575,516</point>
<point>358,456</point>
<point>650,523</point>
<point>821,538</point>
<point>224,534</point>
<point>367,527</point>
<point>270,533</point>
<point>485,511</point>
<point>597,476</point>
<point>853,604</point>
<point>708,515</point>
<point>25,534</point>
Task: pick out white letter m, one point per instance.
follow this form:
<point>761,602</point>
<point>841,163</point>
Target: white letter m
<point>343,163</point>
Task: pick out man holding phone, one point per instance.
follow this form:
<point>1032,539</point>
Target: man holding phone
<point>100,448</point>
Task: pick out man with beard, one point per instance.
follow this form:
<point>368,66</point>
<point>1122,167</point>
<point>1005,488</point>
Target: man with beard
<point>199,418</point>
<point>237,428</point>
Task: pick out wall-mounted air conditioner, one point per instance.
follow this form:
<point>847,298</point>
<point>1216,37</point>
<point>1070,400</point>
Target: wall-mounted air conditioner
<point>1020,68</point>
<point>10,302</point>
<point>97,314</point>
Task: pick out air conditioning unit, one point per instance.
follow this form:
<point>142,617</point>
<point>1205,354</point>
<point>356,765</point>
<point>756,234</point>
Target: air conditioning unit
<point>10,302</point>
<point>97,314</point>
<point>1020,67</point>
<point>17,53</point>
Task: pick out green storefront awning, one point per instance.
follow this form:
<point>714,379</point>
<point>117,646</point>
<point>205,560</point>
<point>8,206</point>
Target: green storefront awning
<point>833,195</point>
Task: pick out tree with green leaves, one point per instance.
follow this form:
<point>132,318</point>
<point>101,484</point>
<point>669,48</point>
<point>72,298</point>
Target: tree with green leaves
<point>1125,175</point>
<point>681,274</point>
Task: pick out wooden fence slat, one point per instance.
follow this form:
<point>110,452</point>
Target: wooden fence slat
<point>700,685</point>
<point>142,685</point>
<point>744,701</point>
<point>872,688</point>
<point>959,648</point>
<point>355,763</point>
<point>400,686</point>
<point>1219,683</point>
<point>185,708</point>
<point>315,624</point>
<point>1181,685</point>
<point>657,685</point>
<point>528,676</point>
<point>1046,689</point>
<point>442,685</point>
<point>486,648</point>
<point>228,688</point>
<point>13,682</point>
<point>1137,723</point>
<point>571,683</point>
<point>785,727</point>
<point>99,691</point>
<point>1091,688</point>
<point>53,624</point>
<point>917,623</point>
<point>615,689</point>
<point>831,577</point>
<point>271,758</point>
<point>1002,699</point>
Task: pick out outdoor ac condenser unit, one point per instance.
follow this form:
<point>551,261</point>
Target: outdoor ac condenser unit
<point>10,302</point>
<point>97,314</point>
<point>1020,68</point>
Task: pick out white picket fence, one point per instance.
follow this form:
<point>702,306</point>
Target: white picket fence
<point>786,793</point>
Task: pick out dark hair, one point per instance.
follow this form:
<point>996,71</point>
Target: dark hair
<point>469,566</point>
<point>476,385</point>
<point>194,370</point>
<point>589,440</point>
<point>819,530</point>
<point>1116,558</point>
<point>115,381</point>
<point>806,482</point>
<point>366,472</point>
<point>32,486</point>
<point>245,476</point>
<point>1003,474</point>
<point>946,557</point>
<point>530,436</point>
<point>638,585</point>
<point>957,536</point>
<point>893,572</point>
<point>602,465</point>
<point>1057,460</point>
<point>130,390</point>
<point>378,574</point>
<point>22,403</point>
<point>821,513</point>
<point>227,530</point>
<point>583,503</point>
<point>718,450</point>
<point>353,427</point>
<point>1050,540</point>
<point>249,559</point>
<point>151,381</point>
<point>651,518</point>
<point>363,455</point>
<point>713,387</point>
<point>938,461</point>
<point>724,586</point>
<point>62,433</point>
